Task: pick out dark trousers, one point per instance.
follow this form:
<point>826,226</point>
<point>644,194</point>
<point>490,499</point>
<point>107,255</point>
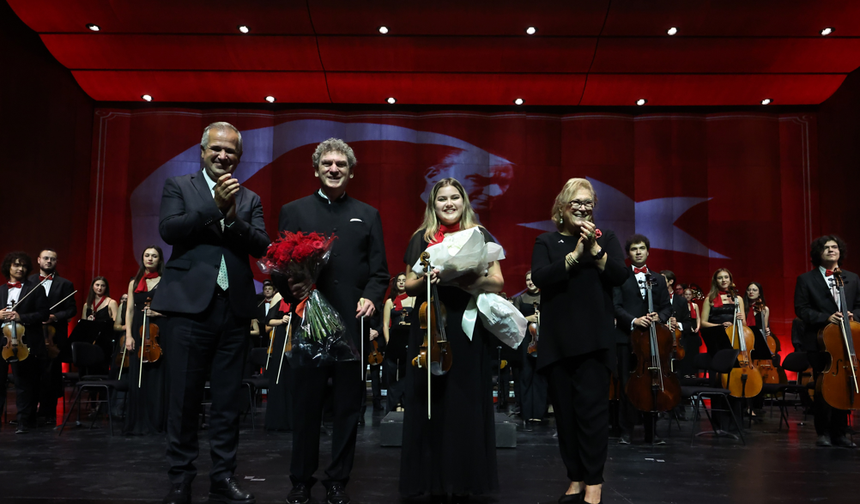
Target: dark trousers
<point>4,377</point>
<point>50,388</point>
<point>309,386</point>
<point>828,420</point>
<point>579,389</point>
<point>511,372</point>
<point>27,375</point>
<point>214,339</point>
<point>533,391</point>
<point>691,342</point>
<point>394,371</point>
<point>376,385</point>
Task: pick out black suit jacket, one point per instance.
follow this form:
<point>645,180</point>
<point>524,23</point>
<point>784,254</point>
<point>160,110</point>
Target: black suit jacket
<point>576,306</point>
<point>358,267</point>
<point>814,304</point>
<point>33,311</point>
<point>630,305</point>
<point>191,222</point>
<point>681,309</point>
<point>60,288</point>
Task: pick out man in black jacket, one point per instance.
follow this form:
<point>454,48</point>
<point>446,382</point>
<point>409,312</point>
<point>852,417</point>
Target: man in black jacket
<point>815,303</point>
<point>631,312</point>
<point>354,282</point>
<point>57,289</point>
<point>20,305</point>
<point>207,294</point>
<point>684,321</point>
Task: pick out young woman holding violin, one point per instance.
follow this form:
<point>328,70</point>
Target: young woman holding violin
<point>279,401</point>
<point>692,340</point>
<point>395,329</point>
<point>99,305</point>
<point>147,398</point>
<point>576,269</point>
<point>453,453</point>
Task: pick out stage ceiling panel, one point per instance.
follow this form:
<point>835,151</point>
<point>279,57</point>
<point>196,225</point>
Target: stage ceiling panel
<point>596,52</point>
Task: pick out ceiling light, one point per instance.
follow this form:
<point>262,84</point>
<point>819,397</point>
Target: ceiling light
<point>244,29</point>
<point>146,97</point>
<point>766,101</point>
<point>827,31</point>
<point>93,27</point>
<point>391,100</point>
<point>383,30</point>
<point>519,101</point>
<point>641,101</point>
<point>672,31</point>
<point>270,99</point>
<point>531,30</point>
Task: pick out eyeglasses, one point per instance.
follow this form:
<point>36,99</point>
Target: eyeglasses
<point>576,204</point>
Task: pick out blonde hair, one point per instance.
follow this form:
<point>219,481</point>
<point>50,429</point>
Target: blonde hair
<point>561,201</point>
<point>715,289</point>
<point>468,219</point>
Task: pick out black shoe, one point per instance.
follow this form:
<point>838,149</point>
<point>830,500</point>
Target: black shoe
<point>21,429</point>
<point>658,440</point>
<point>228,491</point>
<point>824,440</point>
<point>528,426</point>
<point>336,494</point>
<point>300,494</point>
<point>361,420</point>
<point>844,442</point>
<point>571,498</point>
<point>624,440</point>
<point>179,493</point>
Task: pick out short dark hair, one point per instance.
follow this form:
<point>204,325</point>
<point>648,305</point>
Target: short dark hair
<point>637,238</point>
<point>47,249</point>
<point>669,276</point>
<point>817,249</point>
<point>13,257</point>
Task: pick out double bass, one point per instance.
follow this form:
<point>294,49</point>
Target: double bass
<point>744,381</point>
<point>652,386</point>
<point>434,354</point>
<point>838,383</point>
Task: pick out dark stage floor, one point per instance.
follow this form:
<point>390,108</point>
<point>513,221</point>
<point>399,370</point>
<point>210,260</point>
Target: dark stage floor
<point>88,466</point>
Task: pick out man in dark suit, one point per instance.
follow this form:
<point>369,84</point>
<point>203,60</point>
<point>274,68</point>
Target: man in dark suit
<point>631,312</point>
<point>354,282</point>
<point>57,289</point>
<point>207,294</point>
<point>29,309</point>
<point>815,303</point>
<point>683,319</point>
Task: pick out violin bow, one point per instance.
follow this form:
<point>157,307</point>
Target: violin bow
<point>63,300</point>
<point>361,358</point>
<point>284,350</point>
<point>49,277</point>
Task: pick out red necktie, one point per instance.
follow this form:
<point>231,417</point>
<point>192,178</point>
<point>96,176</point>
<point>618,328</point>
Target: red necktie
<point>643,269</point>
<point>14,285</point>
<point>828,272</point>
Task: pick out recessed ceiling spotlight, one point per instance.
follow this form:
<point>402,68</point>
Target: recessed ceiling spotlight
<point>146,97</point>
<point>827,31</point>
<point>391,100</point>
<point>641,101</point>
<point>531,30</point>
<point>93,27</point>
<point>244,29</point>
<point>270,99</point>
<point>519,101</point>
<point>672,31</point>
<point>766,101</point>
<point>383,30</point>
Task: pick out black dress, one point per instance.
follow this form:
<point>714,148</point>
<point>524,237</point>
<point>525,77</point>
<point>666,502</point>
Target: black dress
<point>715,337</point>
<point>279,399</point>
<point>395,361</point>
<point>147,404</point>
<point>455,451</point>
<point>533,385</point>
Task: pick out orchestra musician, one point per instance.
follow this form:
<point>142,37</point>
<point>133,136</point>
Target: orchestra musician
<point>816,304</point>
<point>99,305</point>
<point>692,340</point>
<point>533,385</point>
<point>57,289</point>
<point>207,296</point>
<point>453,453</point>
<point>354,282</point>
<point>631,312</point>
<point>263,308</point>
<point>32,311</point>
<point>395,330</point>
<point>279,398</point>
<point>576,271</point>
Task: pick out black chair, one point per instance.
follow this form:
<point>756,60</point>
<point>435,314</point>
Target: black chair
<point>85,355</point>
<point>256,383</point>
<point>722,362</point>
<point>796,362</point>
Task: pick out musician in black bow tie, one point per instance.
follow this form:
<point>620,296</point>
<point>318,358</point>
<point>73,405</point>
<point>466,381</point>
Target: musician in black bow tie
<point>816,303</point>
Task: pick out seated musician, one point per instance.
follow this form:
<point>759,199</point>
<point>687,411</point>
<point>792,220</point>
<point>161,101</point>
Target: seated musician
<point>29,309</point>
<point>631,312</point>
<point>816,303</point>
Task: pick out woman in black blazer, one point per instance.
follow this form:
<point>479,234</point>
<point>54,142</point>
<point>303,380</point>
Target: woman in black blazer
<point>576,269</point>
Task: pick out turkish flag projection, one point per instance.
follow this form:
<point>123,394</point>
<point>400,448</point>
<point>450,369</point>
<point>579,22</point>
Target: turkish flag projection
<point>718,190</point>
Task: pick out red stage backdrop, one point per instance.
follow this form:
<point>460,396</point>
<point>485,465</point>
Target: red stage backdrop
<point>710,190</point>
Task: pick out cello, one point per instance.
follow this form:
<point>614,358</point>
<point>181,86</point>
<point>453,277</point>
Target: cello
<point>770,373</point>
<point>434,354</point>
<point>744,381</point>
<point>652,387</point>
<point>838,383</point>
<point>150,350</point>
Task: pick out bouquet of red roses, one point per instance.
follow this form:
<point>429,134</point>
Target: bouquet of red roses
<point>322,334</point>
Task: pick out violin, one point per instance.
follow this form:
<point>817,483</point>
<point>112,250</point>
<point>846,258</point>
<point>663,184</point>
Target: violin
<point>375,357</point>
<point>534,332</point>
<point>839,382</point>
<point>677,348</point>
<point>652,386</point>
<point>770,373</point>
<point>434,354</point>
<point>15,349</point>
<point>48,332</point>
<point>150,350</point>
<point>745,380</point>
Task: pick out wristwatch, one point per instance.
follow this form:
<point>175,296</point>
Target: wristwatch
<point>598,256</point>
